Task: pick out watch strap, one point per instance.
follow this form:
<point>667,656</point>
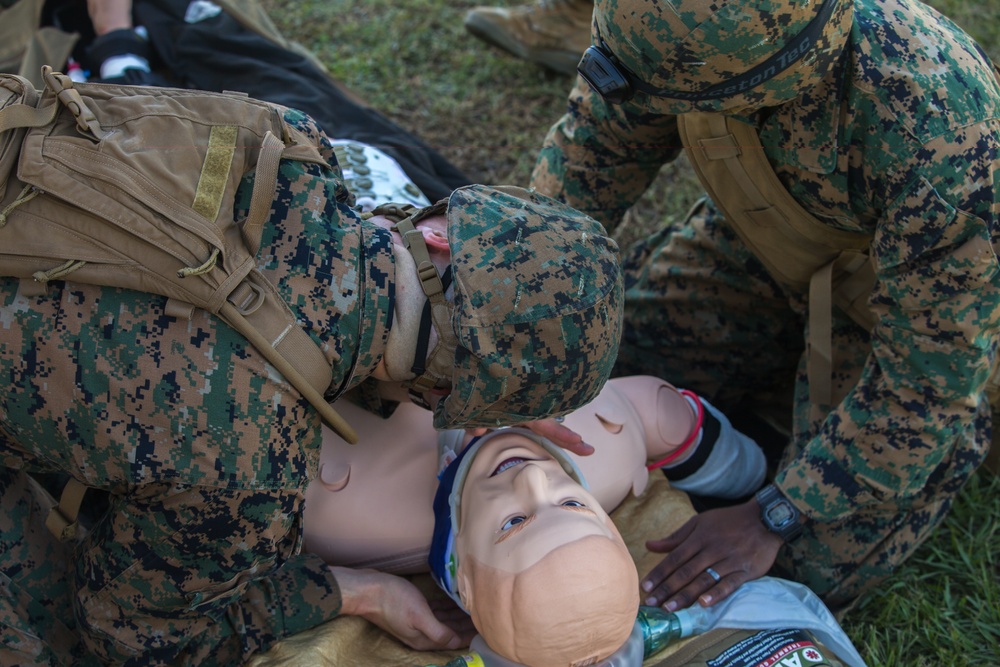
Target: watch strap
<point>769,498</point>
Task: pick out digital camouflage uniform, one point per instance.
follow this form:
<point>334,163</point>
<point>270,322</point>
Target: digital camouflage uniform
<point>901,140</point>
<point>207,451</point>
<point>204,450</point>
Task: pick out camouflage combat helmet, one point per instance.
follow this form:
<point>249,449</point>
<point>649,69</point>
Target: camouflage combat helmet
<point>534,321</point>
<point>679,56</point>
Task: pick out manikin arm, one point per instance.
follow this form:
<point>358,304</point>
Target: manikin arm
<point>719,461</point>
<point>667,417</point>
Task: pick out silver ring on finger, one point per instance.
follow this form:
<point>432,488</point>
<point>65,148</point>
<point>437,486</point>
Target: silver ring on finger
<point>712,573</point>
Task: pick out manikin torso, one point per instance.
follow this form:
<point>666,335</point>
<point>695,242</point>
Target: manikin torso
<point>372,504</point>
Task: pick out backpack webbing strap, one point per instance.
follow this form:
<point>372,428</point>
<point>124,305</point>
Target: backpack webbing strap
<point>819,361</point>
<point>800,251</point>
<point>62,86</point>
<point>256,309</point>
<point>265,182</point>
<point>22,115</point>
<point>62,518</point>
<point>290,347</point>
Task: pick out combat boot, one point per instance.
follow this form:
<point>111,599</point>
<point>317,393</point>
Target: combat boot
<point>551,33</point>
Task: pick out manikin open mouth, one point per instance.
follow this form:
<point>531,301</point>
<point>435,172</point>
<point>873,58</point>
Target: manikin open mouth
<point>508,464</point>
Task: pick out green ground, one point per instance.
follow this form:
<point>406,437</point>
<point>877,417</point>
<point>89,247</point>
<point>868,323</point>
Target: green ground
<point>488,113</point>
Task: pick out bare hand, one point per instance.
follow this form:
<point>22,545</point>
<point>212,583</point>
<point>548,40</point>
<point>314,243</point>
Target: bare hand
<point>108,15</point>
<point>448,612</point>
<point>397,606</point>
<point>732,541</point>
<point>560,435</point>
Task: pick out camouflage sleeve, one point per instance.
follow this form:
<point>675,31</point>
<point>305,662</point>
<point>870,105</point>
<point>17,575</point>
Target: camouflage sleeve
<point>599,158</point>
<point>211,575</point>
<point>300,595</point>
<point>368,395</point>
<point>307,593</point>
<point>937,300</point>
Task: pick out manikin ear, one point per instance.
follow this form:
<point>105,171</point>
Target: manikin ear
<point>464,587</point>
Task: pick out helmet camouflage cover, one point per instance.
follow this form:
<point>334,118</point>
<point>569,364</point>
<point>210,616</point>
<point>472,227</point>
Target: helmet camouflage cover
<point>537,307</point>
<point>724,55</point>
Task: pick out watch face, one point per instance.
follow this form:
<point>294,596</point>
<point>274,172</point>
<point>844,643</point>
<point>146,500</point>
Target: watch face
<point>779,515</point>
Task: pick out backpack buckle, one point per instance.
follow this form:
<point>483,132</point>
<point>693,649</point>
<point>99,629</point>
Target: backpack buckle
<point>70,97</point>
<point>246,298</point>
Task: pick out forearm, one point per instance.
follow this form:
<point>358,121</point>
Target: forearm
<point>109,15</point>
<point>600,158</point>
<point>299,596</point>
<point>307,594</point>
<point>881,444</point>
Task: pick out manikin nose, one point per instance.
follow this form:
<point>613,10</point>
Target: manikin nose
<point>532,481</point>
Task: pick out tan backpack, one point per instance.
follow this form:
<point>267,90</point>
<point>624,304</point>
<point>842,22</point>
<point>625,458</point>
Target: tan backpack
<point>90,193</point>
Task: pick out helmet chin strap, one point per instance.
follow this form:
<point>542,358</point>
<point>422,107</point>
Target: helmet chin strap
<point>433,370</point>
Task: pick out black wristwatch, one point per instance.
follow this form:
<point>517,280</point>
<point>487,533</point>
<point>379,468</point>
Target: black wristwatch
<point>779,515</point>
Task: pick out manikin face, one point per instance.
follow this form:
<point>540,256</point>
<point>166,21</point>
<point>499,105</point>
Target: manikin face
<point>544,574</point>
<point>518,505</point>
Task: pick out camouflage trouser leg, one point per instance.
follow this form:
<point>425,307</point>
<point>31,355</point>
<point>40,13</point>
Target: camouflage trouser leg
<point>179,573</point>
<point>702,313</point>
<point>34,580</point>
<point>841,560</point>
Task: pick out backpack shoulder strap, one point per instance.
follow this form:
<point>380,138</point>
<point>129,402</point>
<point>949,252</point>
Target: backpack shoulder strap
<point>180,241</point>
<point>800,251</point>
<point>790,241</point>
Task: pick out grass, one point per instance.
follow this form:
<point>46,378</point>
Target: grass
<point>488,114</point>
<point>942,608</point>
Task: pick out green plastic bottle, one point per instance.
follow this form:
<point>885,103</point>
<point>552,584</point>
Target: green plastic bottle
<point>470,659</point>
<point>659,629</point>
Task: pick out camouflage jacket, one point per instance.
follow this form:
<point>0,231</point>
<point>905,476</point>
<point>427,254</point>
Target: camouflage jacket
<point>103,384</point>
<point>900,141</point>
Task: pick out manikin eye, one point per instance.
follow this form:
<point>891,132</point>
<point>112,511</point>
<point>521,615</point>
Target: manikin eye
<point>573,503</point>
<point>511,522</point>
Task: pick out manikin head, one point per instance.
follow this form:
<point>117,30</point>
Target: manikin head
<point>530,309</point>
<point>535,560</point>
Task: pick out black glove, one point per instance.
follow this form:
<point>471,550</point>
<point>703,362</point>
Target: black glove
<point>123,42</point>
